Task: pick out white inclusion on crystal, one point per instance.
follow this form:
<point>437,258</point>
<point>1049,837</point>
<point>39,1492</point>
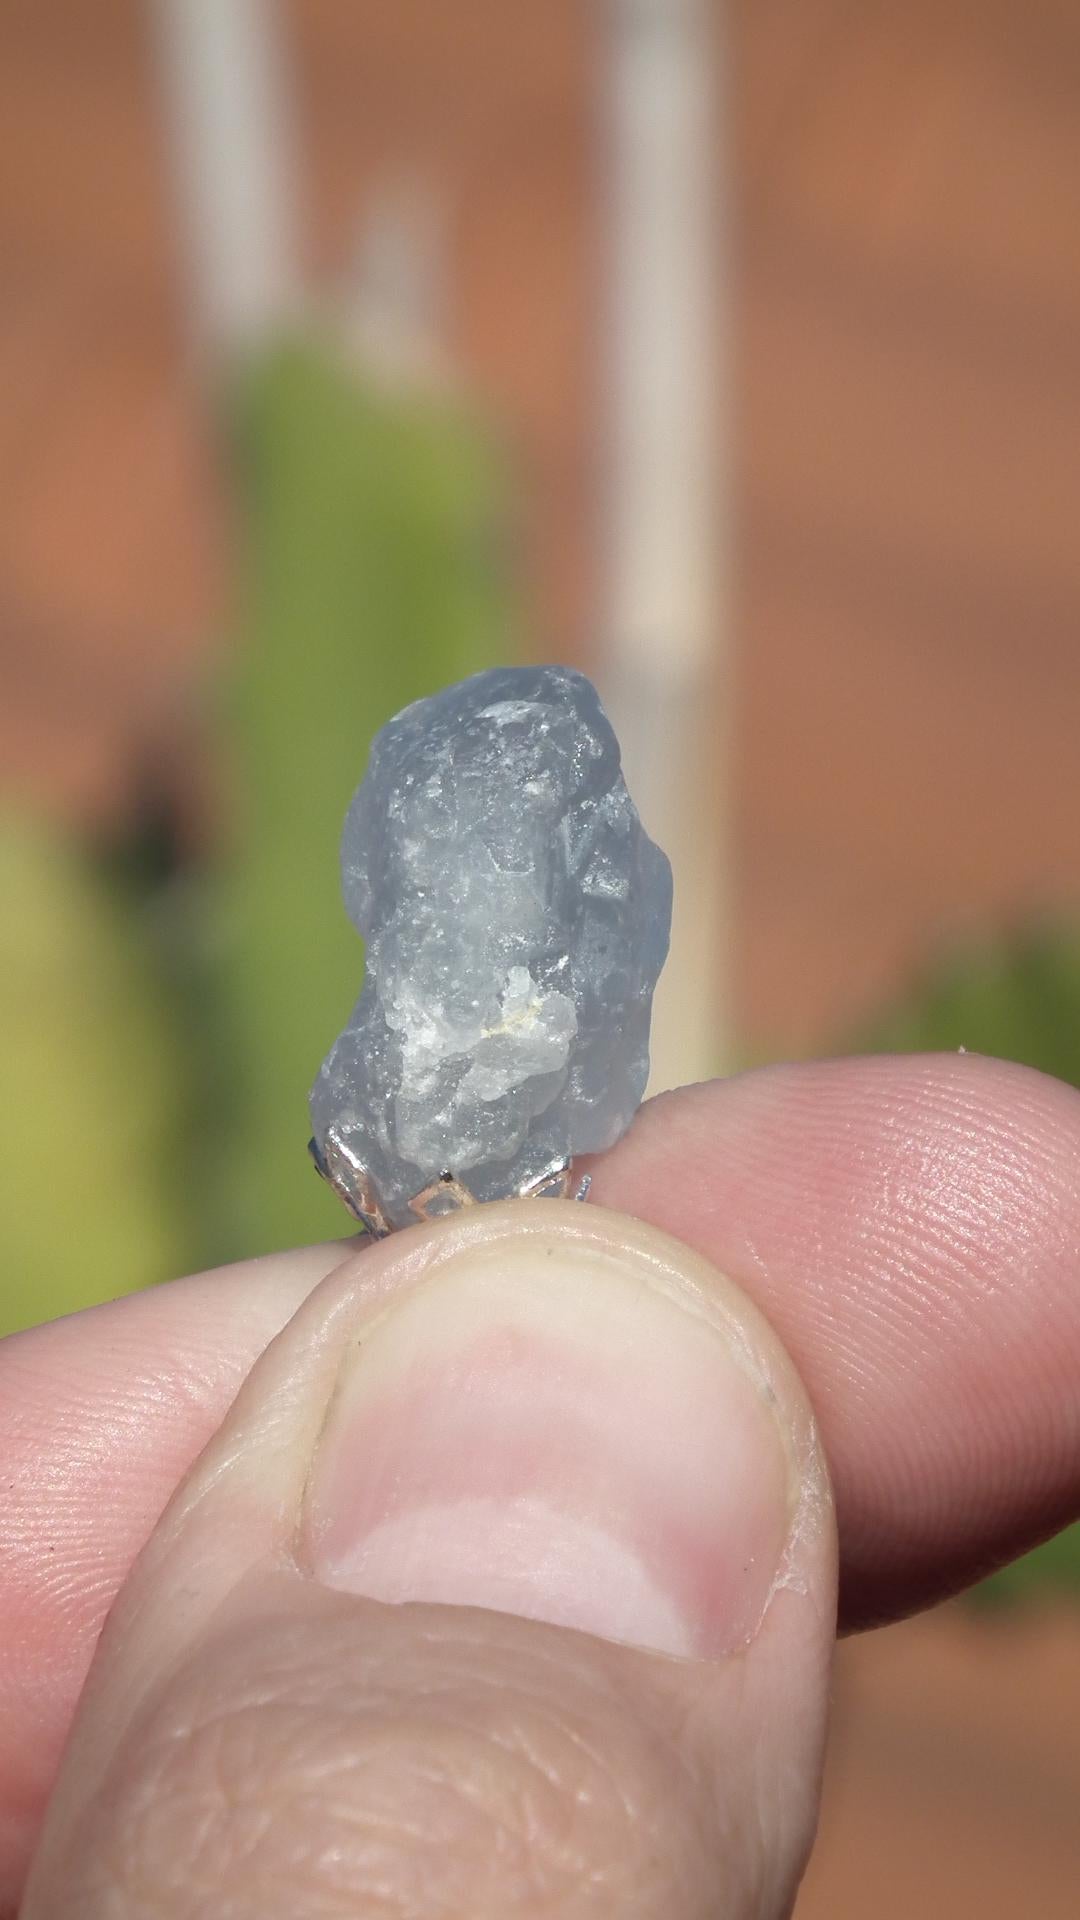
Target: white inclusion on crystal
<point>428,1036</point>
<point>531,1036</point>
<point>505,712</point>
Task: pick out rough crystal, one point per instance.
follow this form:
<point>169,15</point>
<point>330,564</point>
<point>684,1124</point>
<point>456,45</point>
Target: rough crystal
<point>516,916</point>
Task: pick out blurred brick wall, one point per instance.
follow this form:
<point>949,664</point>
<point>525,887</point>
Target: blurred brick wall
<point>907,291</point>
<point>111,575</point>
<point>107,562</point>
<point>909,471</point>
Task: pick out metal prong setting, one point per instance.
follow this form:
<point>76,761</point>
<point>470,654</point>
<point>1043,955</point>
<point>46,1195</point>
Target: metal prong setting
<point>553,1183</point>
<point>444,1195</point>
<point>351,1181</point>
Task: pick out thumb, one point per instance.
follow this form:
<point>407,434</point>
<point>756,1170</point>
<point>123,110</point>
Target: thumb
<point>582,1459</point>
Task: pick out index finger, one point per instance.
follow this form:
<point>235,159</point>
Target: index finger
<point>911,1226</point>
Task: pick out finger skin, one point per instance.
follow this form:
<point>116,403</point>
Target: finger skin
<point>910,1226</point>
<point>100,1416</point>
<point>257,1739</point>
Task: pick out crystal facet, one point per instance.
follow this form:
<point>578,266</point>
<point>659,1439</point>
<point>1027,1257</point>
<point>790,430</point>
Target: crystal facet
<point>516,916</point>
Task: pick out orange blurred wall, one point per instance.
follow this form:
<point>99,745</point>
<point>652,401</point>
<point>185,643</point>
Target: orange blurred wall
<point>907,382</point>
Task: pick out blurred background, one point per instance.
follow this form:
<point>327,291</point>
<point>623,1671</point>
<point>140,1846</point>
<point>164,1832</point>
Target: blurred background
<point>730,352</point>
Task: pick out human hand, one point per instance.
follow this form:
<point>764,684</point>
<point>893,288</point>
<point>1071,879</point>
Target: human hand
<point>555,1412</point>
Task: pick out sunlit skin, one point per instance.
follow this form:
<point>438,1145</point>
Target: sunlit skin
<point>910,1227</point>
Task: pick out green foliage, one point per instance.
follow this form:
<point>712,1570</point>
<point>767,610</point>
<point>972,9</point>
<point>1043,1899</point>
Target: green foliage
<point>370,523</point>
<point>92,1120</point>
<point>1018,999</point>
<point>160,1028</point>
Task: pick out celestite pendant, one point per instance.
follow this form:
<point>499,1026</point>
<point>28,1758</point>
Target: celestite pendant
<point>516,917</point>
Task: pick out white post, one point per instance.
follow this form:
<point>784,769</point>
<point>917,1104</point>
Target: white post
<point>663,351</point>
<point>224,79</point>
<point>395,300</point>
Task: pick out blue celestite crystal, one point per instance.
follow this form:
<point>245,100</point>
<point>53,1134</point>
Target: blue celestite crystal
<point>516,916</point>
